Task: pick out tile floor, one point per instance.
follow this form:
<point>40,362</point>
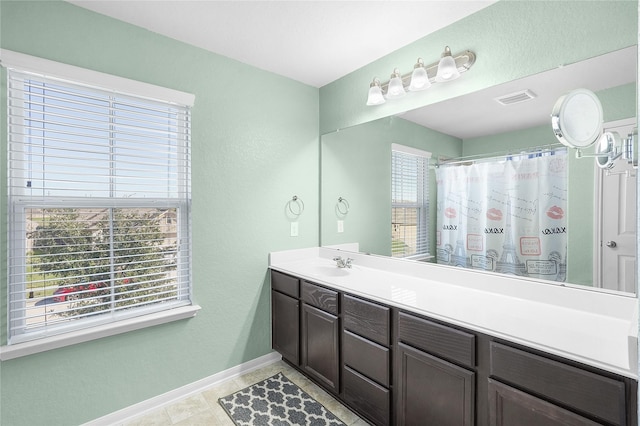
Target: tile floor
<point>203,408</point>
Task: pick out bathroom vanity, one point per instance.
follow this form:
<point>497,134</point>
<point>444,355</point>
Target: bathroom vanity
<point>410,343</point>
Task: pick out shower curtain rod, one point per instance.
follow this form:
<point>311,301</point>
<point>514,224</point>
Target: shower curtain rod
<point>443,161</point>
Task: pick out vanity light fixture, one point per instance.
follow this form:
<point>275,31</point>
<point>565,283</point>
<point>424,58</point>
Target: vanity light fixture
<point>422,76</point>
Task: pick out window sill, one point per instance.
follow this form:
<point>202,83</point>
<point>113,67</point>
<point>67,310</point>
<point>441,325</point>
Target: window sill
<point>80,336</point>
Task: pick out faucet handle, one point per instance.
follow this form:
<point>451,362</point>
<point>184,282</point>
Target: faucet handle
<point>348,262</point>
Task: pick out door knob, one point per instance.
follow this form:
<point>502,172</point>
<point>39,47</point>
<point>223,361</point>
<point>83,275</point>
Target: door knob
<point>611,244</point>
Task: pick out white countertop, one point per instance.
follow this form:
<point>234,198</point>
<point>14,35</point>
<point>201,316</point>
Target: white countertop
<point>593,327</point>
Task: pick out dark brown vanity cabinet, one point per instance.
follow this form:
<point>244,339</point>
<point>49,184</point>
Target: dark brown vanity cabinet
<point>366,358</point>
<point>435,374</point>
<point>320,335</point>
<point>285,318</point>
<point>400,368</point>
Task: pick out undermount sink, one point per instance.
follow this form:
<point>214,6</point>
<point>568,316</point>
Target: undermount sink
<point>328,271</point>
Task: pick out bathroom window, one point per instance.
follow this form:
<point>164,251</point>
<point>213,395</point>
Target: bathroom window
<point>99,202</point>
<point>409,202</point>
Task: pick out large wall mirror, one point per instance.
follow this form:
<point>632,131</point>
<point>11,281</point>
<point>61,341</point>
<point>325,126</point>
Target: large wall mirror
<point>356,169</point>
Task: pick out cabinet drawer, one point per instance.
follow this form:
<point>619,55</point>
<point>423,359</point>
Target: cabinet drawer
<point>367,319</point>
<point>320,297</point>
<point>560,383</point>
<point>367,397</point>
<point>285,284</point>
<point>366,357</point>
<point>437,339</point>
<point>509,406</point>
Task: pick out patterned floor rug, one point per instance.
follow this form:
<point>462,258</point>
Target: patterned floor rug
<point>276,401</point>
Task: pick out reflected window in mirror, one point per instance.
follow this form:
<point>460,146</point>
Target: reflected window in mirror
<point>409,202</point>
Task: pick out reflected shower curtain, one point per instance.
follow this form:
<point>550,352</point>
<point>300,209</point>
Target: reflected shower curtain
<point>505,214</point>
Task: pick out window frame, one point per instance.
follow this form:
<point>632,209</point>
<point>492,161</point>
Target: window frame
<point>14,346</point>
<point>422,209</point>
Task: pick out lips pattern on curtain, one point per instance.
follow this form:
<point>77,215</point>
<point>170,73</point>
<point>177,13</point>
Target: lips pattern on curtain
<point>505,214</point>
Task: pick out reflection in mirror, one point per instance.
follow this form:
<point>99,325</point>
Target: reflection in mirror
<point>608,149</point>
<point>356,165</point>
<point>505,214</point>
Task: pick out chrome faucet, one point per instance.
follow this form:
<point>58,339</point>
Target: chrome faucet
<point>343,263</point>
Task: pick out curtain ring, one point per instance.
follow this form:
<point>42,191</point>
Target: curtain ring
<point>341,202</point>
<point>299,203</point>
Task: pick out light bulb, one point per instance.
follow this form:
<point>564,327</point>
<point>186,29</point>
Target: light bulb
<point>419,77</point>
<point>375,93</point>
<point>396,88</point>
<point>447,68</point>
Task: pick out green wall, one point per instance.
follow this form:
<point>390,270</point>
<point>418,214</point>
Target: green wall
<point>254,146</point>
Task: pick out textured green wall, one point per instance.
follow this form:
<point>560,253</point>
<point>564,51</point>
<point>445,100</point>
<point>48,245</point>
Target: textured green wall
<point>255,145</point>
<point>512,39</point>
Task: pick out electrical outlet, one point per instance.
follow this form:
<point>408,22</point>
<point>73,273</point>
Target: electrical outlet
<point>340,226</point>
<point>294,229</point>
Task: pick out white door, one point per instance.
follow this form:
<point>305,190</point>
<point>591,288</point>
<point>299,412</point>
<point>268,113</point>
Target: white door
<point>617,228</point>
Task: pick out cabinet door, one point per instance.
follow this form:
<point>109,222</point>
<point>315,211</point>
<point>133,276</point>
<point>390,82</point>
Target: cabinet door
<point>509,406</point>
<point>320,346</point>
<point>285,326</point>
<point>432,391</point>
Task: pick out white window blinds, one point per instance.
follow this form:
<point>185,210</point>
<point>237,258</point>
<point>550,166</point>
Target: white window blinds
<point>409,202</point>
<point>99,205</point>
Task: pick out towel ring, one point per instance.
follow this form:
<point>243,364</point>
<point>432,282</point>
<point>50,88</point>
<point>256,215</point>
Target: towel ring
<point>345,203</point>
<point>299,203</point>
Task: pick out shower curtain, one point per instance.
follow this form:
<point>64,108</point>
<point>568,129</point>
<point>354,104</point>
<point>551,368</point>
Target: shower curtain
<point>506,214</point>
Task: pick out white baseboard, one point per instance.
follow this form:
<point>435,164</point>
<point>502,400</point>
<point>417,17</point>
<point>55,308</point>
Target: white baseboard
<point>141,408</point>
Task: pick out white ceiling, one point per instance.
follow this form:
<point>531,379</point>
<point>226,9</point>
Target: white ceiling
<point>314,42</point>
<point>317,42</point>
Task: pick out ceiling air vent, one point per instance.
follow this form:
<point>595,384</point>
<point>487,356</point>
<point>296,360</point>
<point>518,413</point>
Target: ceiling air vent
<point>517,97</point>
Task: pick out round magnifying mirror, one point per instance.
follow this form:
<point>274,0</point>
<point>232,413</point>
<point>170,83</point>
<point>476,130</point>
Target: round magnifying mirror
<point>605,149</point>
<point>577,118</point>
